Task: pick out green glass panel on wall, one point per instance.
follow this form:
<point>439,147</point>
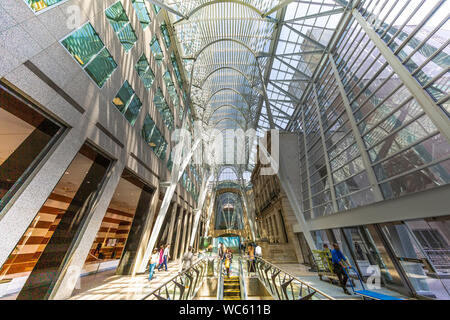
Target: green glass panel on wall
<point>164,109</point>
<point>88,49</point>
<point>152,135</point>
<point>128,103</point>
<point>117,16</point>
<point>120,23</point>
<point>101,68</point>
<point>83,44</point>
<point>38,5</point>
<point>145,72</point>
<point>142,13</point>
<point>148,128</point>
<point>156,49</point>
<point>171,88</point>
<point>127,37</point>
<point>123,96</point>
<point>133,110</point>
<point>165,33</point>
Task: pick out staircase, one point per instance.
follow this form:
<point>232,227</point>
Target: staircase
<point>231,288</point>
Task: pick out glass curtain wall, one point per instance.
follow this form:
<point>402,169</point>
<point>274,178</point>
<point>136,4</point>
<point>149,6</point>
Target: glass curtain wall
<point>35,264</point>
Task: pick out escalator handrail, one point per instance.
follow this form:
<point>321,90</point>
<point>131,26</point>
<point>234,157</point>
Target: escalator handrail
<point>296,278</point>
<point>179,274</point>
<point>220,281</point>
<point>242,280</point>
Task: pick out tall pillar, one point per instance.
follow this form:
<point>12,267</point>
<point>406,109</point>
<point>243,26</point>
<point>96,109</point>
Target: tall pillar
<point>184,233</point>
<point>140,259</point>
<point>72,270</point>
<point>179,224</point>
<point>172,222</point>
<point>189,233</point>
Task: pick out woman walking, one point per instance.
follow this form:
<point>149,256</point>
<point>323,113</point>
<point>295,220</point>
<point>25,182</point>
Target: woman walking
<point>153,261</point>
<point>161,257</point>
<point>228,259</point>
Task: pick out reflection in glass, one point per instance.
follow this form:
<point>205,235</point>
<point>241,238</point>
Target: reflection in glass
<point>413,259</point>
<point>35,264</point>
<point>108,246</point>
<point>24,135</point>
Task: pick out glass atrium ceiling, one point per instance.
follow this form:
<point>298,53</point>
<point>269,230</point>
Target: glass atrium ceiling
<point>235,51</point>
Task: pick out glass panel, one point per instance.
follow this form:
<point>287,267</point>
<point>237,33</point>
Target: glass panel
<point>142,13</point>
<point>366,254</point>
<point>164,109</point>
<point>118,19</point>
<point>430,150</point>
<point>126,205</point>
<point>24,135</point>
<point>128,103</point>
<point>165,34</point>
<point>413,258</point>
<point>35,264</point>
<point>89,51</point>
<point>423,179</point>
<point>83,44</point>
<point>156,49</point>
<point>343,246</point>
<point>154,138</point>
<point>390,276</point>
<point>101,68</point>
<point>38,5</point>
<point>145,72</point>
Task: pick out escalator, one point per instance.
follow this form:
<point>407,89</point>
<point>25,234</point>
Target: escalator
<point>231,288</point>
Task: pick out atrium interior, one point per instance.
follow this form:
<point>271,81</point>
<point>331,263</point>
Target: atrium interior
<point>224,150</point>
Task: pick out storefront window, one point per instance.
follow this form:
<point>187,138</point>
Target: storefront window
<point>34,266</point>
<point>128,203</point>
<point>25,135</point>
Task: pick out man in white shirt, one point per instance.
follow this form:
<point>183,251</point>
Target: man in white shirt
<point>258,251</point>
<point>153,261</point>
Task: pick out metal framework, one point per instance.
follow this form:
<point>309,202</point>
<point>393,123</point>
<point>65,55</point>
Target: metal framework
<point>363,82</point>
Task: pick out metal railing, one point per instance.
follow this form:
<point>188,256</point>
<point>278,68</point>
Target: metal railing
<point>220,272</point>
<point>183,286</point>
<point>242,283</point>
<point>284,286</point>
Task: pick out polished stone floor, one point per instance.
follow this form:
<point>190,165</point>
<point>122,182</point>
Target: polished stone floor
<point>108,286</point>
<point>312,279</point>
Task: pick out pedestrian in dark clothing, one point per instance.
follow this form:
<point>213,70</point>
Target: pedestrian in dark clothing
<point>339,264</point>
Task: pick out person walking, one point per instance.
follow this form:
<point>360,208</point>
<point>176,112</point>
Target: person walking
<point>228,260</point>
<point>339,264</point>
<point>166,256</point>
<point>153,261</point>
<point>161,257</point>
<point>220,251</point>
<point>251,258</point>
<point>258,251</point>
<point>188,259</point>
